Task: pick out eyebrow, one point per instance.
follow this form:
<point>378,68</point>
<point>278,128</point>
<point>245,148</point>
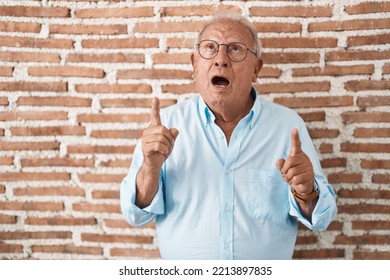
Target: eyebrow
<point>238,39</point>
<point>226,41</point>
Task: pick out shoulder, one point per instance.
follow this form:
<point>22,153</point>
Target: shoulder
<point>271,106</point>
<point>180,111</point>
<point>281,118</point>
<point>278,112</point>
<point>180,106</point>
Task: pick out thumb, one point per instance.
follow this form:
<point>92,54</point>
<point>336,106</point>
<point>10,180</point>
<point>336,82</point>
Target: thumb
<point>295,143</point>
<point>280,164</point>
<point>174,132</point>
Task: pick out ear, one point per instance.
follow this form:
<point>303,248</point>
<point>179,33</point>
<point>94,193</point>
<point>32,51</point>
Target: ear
<point>193,60</point>
<point>256,70</point>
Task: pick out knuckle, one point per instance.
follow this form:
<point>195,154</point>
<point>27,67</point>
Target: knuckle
<point>291,172</point>
<point>295,180</point>
<point>161,129</point>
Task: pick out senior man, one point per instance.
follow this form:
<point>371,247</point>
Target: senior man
<point>226,175</point>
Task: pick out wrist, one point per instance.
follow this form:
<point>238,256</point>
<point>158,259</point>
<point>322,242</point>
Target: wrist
<point>149,168</point>
<point>306,198</point>
<point>310,188</point>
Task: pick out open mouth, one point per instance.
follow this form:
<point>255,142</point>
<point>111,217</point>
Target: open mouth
<point>219,81</point>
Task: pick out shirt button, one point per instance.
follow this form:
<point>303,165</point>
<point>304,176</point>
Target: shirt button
<point>228,171</point>
<point>227,208</point>
<point>226,245</point>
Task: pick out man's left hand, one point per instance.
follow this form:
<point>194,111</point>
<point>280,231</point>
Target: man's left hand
<point>297,169</point>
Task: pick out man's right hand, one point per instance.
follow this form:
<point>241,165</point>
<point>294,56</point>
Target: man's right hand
<point>157,140</point>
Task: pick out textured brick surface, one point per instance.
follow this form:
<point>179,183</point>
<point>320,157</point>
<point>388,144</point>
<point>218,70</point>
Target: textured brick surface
<point>76,80</point>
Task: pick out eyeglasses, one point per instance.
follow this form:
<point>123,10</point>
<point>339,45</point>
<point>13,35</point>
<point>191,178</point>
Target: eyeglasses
<point>237,52</point>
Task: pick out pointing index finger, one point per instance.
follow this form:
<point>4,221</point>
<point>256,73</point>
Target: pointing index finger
<point>295,143</point>
<point>155,112</point>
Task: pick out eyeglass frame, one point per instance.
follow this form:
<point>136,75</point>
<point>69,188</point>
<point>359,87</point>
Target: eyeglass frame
<point>227,48</point>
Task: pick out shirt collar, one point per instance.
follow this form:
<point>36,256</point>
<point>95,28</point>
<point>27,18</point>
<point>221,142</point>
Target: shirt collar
<point>205,113</point>
<point>256,109</point>
<point>208,117</point>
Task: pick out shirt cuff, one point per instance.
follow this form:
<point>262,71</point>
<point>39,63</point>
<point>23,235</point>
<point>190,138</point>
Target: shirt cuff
<point>132,213</point>
<point>324,211</point>
<point>155,207</point>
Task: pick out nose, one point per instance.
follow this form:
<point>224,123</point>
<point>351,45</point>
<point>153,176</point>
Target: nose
<point>221,59</point>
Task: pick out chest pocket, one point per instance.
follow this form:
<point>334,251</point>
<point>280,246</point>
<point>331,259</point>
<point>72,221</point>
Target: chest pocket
<point>268,195</point>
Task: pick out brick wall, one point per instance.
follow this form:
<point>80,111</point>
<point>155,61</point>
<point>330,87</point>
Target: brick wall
<point>76,79</point>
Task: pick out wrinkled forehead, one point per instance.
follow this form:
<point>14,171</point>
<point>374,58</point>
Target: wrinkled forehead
<point>227,31</point>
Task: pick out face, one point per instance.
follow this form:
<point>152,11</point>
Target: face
<point>223,83</point>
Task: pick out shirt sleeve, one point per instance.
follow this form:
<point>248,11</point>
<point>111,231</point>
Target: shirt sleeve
<point>325,209</point>
<point>323,213</point>
<point>131,212</point>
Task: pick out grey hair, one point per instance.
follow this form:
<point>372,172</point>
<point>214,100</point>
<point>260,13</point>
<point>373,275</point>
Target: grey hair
<point>228,16</point>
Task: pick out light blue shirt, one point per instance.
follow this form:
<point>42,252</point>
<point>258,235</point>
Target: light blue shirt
<point>220,201</point>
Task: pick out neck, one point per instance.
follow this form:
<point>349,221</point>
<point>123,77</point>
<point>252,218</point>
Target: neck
<point>228,119</point>
<point>234,113</point>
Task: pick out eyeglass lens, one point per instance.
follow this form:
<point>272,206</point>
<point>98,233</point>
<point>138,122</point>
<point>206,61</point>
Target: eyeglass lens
<point>208,49</point>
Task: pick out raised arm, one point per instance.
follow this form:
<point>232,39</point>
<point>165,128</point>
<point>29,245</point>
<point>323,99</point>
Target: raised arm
<point>297,171</point>
<point>157,144</point>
